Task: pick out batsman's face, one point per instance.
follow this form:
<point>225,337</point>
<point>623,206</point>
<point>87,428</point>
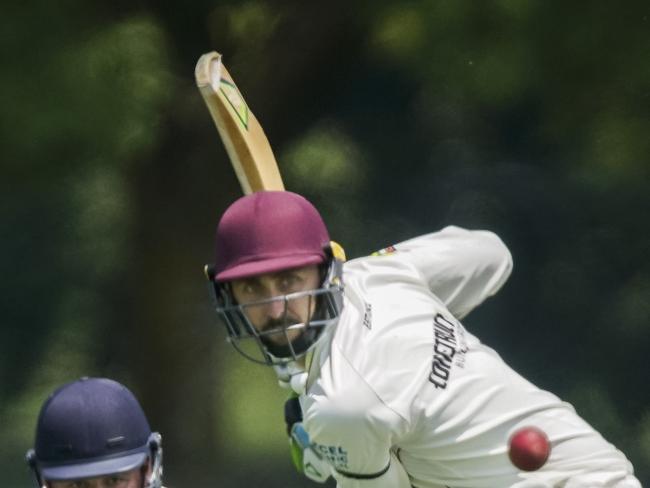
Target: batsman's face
<point>130,479</point>
<point>272,314</point>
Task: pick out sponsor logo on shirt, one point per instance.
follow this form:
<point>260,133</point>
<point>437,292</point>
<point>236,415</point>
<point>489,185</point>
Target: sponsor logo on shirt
<point>449,348</point>
<point>367,316</point>
<point>385,251</point>
<point>336,455</point>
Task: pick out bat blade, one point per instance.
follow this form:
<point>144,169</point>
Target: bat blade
<point>246,144</point>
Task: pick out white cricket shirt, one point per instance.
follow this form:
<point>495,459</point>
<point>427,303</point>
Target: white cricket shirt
<point>399,394</point>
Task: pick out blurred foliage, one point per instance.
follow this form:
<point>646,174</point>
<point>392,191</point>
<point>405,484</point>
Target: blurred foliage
<point>395,118</point>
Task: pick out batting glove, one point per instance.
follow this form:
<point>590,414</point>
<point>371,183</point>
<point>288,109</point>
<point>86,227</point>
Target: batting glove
<point>305,457</point>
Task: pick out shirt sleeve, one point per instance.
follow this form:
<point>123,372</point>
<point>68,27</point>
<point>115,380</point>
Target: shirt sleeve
<point>461,267</point>
<point>356,443</point>
<point>355,431</point>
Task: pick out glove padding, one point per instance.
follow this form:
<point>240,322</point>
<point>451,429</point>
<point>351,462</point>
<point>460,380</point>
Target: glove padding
<point>305,458</point>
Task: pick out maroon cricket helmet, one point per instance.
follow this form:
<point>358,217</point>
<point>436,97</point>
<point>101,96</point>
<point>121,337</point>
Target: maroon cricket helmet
<point>268,231</point>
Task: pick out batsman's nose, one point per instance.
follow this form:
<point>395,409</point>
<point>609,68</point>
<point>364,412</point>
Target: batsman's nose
<point>275,309</point>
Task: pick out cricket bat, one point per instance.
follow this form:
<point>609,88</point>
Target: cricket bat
<point>246,144</point>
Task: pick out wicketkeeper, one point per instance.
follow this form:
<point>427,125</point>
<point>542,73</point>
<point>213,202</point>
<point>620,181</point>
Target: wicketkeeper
<point>92,433</point>
<point>391,390</point>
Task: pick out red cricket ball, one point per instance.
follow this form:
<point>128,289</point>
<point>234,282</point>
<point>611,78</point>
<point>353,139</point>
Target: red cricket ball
<point>529,448</point>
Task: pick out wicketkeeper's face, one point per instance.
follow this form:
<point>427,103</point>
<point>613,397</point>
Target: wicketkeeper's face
<point>266,307</point>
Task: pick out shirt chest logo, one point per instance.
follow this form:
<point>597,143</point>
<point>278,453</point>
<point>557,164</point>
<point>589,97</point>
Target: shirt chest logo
<point>449,348</point>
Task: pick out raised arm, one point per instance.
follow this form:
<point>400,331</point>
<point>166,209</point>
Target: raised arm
<point>461,267</point>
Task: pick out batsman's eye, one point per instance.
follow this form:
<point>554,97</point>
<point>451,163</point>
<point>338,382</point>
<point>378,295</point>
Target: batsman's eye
<point>246,290</point>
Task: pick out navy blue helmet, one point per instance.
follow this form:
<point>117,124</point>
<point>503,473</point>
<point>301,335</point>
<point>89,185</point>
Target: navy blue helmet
<point>93,427</point>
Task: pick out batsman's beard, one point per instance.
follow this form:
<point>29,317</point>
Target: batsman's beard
<point>276,336</point>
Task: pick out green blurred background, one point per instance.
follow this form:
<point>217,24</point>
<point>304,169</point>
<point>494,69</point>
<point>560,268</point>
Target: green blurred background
<point>396,118</point>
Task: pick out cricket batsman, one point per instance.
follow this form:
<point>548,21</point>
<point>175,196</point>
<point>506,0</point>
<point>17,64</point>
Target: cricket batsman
<point>92,433</point>
<point>390,390</point>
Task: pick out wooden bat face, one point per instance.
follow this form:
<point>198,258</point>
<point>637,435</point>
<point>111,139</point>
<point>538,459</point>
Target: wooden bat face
<point>246,144</point>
